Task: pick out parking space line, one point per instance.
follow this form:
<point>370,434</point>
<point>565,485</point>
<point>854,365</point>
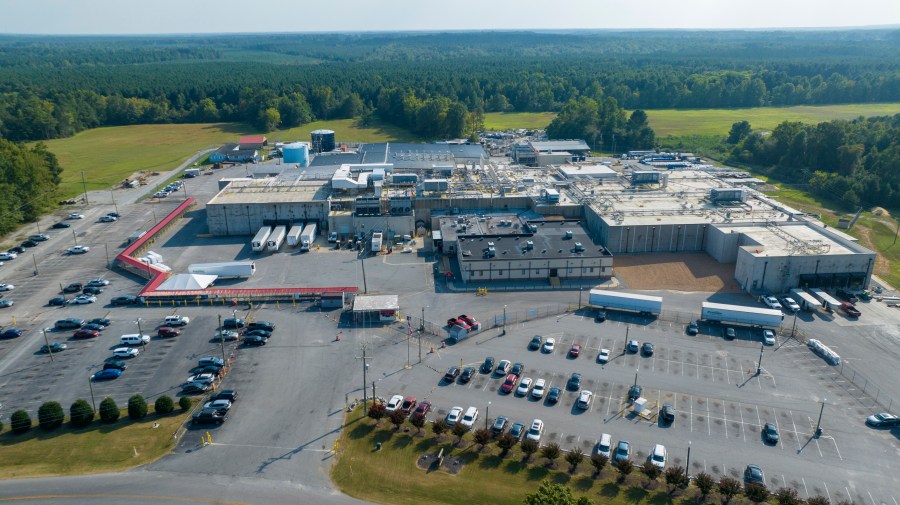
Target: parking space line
<point>708,424</point>
<point>777,428</point>
<point>826,490</point>
<point>799,447</point>
<point>849,497</point>
<point>804,487</point>
<point>741,411</point>
<point>870,497</point>
<point>727,378</point>
<point>609,403</point>
<point>894,499</point>
<point>725,418</point>
<point>692,413</point>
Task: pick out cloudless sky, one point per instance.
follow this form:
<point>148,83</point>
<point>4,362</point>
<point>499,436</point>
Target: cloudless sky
<point>218,16</point>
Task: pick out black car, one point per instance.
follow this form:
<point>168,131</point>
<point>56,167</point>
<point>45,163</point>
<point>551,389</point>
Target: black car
<point>574,383</point>
<point>124,300</point>
<point>754,475</point>
<point>225,394</point>
<point>59,300</point>
<point>554,394</point>
<point>205,369</point>
<point>194,389</point>
<point>692,328</point>
<point>517,369</point>
<point>634,392</point>
<point>69,323</point>
<point>100,321</point>
<point>261,325</point>
<point>29,243</point>
<point>12,333</point>
<point>73,288</point>
<point>647,349</point>
<point>499,425</point>
<point>667,414</point>
<point>17,249</point>
<point>209,417</point>
<point>488,365</point>
<point>770,433</point>
<point>114,364</point>
<point>114,214</point>
<point>601,316</point>
<point>535,343</point>
<point>61,225</point>
<point>258,333</point>
<point>233,323</point>
<point>452,374</point>
<point>255,340</point>
<point>93,327</point>
<point>467,374</point>
<point>92,290</point>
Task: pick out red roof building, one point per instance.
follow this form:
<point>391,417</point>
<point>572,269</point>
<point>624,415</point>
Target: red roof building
<point>253,141</point>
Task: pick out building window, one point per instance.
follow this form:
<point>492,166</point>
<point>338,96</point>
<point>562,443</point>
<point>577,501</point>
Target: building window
<point>569,270</point>
<point>499,272</point>
<point>537,271</point>
<point>591,269</point>
<point>524,271</point>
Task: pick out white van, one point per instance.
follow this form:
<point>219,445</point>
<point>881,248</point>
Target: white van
<point>603,445</point>
<point>134,339</point>
<point>468,419</point>
<point>176,320</point>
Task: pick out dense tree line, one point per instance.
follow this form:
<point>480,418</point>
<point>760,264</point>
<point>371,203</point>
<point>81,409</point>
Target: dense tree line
<point>56,86</point>
<point>853,162</point>
<point>28,179</point>
<point>602,123</point>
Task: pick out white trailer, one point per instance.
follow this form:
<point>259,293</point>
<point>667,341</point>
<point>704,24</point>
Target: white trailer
<point>738,314</point>
<point>827,301</point>
<point>806,300</point>
<point>230,269</point>
<point>191,172</point>
<point>308,236</point>
<point>276,238</point>
<point>259,241</point>
<point>376,241</point>
<point>293,236</point>
<point>625,301</point>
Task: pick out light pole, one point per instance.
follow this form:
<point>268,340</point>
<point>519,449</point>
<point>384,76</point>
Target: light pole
<point>222,338</point>
<point>49,350</point>
<point>84,186</point>
<point>365,384</point>
<point>504,320</point>
<point>38,224</point>
<point>487,415</point>
<point>625,349</point>
<point>114,201</point>
<point>579,297</point>
<point>75,237</point>
<point>819,422</point>
<point>687,465</point>
<point>91,385</point>
<point>794,327</point>
<point>635,376</point>
<point>362,264</point>
<point>759,366</point>
<point>141,334</point>
<point>34,259</point>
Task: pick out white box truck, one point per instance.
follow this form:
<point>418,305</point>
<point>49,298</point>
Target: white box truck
<point>293,236</point>
<point>625,301</point>
<point>191,172</point>
<point>276,238</point>
<point>738,314</point>
<point>376,241</point>
<point>232,269</point>
<point>259,241</point>
<point>308,236</point>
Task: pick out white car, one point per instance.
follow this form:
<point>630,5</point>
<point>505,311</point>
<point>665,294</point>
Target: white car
<point>549,345</point>
<point>176,320</point>
<point>524,386</point>
<point>772,302</point>
<point>503,367</point>
<point>75,216</point>
<point>227,335</point>
<point>83,299</point>
<point>584,399</point>
<point>658,456</point>
<point>469,418</point>
<point>99,283</point>
<point>160,194</point>
<point>454,415</point>
<point>8,255</point>
<point>6,287</point>
<point>603,357</point>
<point>201,378</point>
<point>394,403</point>
<point>79,249</point>
<point>769,337</point>
<point>108,219</point>
<point>125,352</point>
<point>6,303</point>
<point>221,404</point>
<point>536,430</point>
<point>537,391</point>
<point>790,304</point>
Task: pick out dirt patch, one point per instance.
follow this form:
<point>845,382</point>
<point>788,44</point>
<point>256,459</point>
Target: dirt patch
<point>431,462</point>
<point>881,211</point>
<point>676,272</point>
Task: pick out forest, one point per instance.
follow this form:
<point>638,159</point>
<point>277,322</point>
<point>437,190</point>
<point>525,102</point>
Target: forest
<point>28,178</point>
<point>53,87</point>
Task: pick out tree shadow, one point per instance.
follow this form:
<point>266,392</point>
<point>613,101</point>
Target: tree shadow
<point>490,462</point>
<point>361,431</point>
<point>663,498</point>
<point>536,473</point>
<point>610,490</point>
<point>636,494</point>
<point>402,441</point>
<point>583,483</point>
<point>514,466</point>
<point>561,478</point>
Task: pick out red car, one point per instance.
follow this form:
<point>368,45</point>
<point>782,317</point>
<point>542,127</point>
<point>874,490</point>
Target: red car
<point>409,403</point>
<point>86,334</point>
<point>422,410</point>
<point>468,319</point>
<point>510,383</point>
<point>575,351</point>
<point>166,332</point>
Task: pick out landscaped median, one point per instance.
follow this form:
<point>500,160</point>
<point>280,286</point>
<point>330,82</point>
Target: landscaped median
<point>82,443</point>
<point>390,460</point>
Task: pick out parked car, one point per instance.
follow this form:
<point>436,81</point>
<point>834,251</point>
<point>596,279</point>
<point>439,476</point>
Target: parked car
<point>6,303</point>
<point>601,316</point>
<point>39,237</point>
<point>11,333</point>
<point>61,225</point>
<point>883,420</point>
<point>518,369</point>
<point>114,214</point>
<point>83,333</point>
<point>79,249</point>
<point>125,352</point>
<point>754,475</point>
<point>226,335</point>
<point>509,384</point>
<point>499,425</point>
<point>467,374</point>
<point>575,351</point>
<point>770,433</point>
<point>255,340</point>
<point>574,382</point>
<point>160,194</point>
<point>195,388</point>
<point>536,430</point>
<point>166,332</point>
<point>75,216</point>
<point>53,347</point>
<point>503,367</point>
<point>452,373</point>
<point>29,243</point>
<point>843,294</point>
<point>125,300</point>
<point>584,399</point>
<point>208,417</point>
<point>17,249</point>
<point>73,287</point>
<point>176,320</point>
<point>8,256</point>
<point>202,378</point>
<point>206,369</point>
<point>394,403</point>
<point>788,303</point>
<point>100,321</point>
<point>68,323</point>
<point>768,337</point>
<point>210,360</point>
<point>258,333</point>
<point>220,405</point>
<point>58,300</point>
<point>667,414</point>
<point>454,415</point>
<point>422,410</point>
<point>634,392</point>
<point>850,309</point>
<point>604,445</point>
<point>114,363</point>
<point>93,327</point>
<point>106,374</point>
<point>730,334</point>
<point>83,299</point>
<point>537,391</point>
<point>409,403</point>
<point>261,325</point>
<point>549,345</point>
<point>772,302</point>
<point>517,430</point>
<point>91,290</point>
<point>233,323</point>
<point>554,394</point>
<point>524,386</point>
<point>657,456</point>
<point>603,356</point>
<point>134,339</point>
<point>488,365</point>
<point>693,328</point>
<point>633,346</point>
<point>6,287</point>
<point>535,343</point>
<point>468,320</point>
<point>647,349</point>
<point>225,394</point>
<point>622,452</point>
<point>108,219</point>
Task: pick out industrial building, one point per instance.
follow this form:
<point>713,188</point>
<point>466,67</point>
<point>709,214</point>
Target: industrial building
<point>535,153</point>
<point>232,152</point>
<point>252,142</point>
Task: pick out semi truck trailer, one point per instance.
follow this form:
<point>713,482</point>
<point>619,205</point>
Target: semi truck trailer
<point>738,314</point>
<point>276,238</point>
<point>230,269</point>
<point>293,236</point>
<point>259,241</point>
<point>625,301</point>
<point>308,236</point>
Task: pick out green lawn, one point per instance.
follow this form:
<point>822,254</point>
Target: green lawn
<point>392,476</point>
<point>516,120</point>
<point>680,122</point>
<point>97,448</point>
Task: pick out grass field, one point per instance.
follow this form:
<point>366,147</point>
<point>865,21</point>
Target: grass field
<point>679,122</point>
<point>391,475</point>
<point>94,449</point>
<point>109,155</point>
<point>516,120</point>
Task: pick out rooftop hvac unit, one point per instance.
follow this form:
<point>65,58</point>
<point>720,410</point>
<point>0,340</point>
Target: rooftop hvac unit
<point>578,247</point>
<point>568,234</point>
<point>529,245</point>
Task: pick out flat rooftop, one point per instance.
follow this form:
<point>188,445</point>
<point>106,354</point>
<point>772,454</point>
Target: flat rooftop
<point>559,145</point>
<point>587,172</point>
<point>791,239</point>
<point>550,242</point>
<point>481,224</point>
<point>272,191</point>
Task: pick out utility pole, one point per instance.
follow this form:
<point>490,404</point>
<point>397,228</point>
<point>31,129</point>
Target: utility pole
<point>222,339</point>
<point>819,422</point>
<point>362,263</point>
<point>759,365</point>
<point>365,368</point>
<point>38,224</point>
<point>504,320</point>
<point>106,247</point>
<point>794,327</point>
<point>75,237</point>
<point>91,385</point>
<point>625,349</point>
<point>687,465</point>
<point>422,326</point>
<point>579,298</point>
<point>408,337</point>
<point>141,335</point>
<point>635,376</point>
<point>114,201</point>
<point>34,259</point>
<point>84,186</point>
<point>49,350</point>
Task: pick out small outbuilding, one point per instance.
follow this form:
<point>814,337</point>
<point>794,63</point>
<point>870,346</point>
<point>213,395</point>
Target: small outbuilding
<point>376,308</point>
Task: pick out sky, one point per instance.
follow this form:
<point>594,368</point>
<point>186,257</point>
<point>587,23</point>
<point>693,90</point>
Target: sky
<point>227,16</point>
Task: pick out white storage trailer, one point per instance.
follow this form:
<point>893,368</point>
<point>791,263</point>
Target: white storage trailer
<point>805,300</point>
<point>231,269</point>
<point>293,236</point>
<point>259,241</point>
<point>625,301</point>
<point>276,238</point>
<point>308,236</point>
<point>376,241</point>
<point>738,314</point>
<point>827,300</point>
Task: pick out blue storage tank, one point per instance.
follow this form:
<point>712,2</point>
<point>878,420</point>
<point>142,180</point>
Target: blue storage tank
<point>297,152</point>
